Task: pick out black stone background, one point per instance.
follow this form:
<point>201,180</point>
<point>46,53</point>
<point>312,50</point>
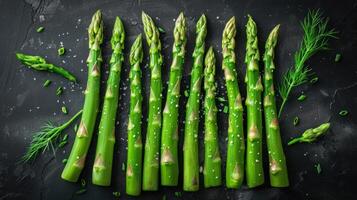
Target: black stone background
<point>25,105</point>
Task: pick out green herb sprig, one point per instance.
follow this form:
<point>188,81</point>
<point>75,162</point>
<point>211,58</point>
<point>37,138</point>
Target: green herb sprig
<point>316,37</point>
<point>46,138</point>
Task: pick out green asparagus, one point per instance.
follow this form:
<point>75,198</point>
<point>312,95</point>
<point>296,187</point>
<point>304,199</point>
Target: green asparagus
<point>254,165</point>
<point>152,143</point>
<point>40,64</point>
<point>277,164</point>
<point>190,149</point>
<point>212,163</point>
<point>311,135</point>
<point>102,168</point>
<point>169,138</point>
<point>84,134</point>
<point>135,146</point>
<point>236,146</point>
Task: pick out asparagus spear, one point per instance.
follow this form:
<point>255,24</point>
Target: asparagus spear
<point>152,143</point>
<point>311,134</point>
<point>169,137</point>
<point>190,150</point>
<point>212,163</point>
<point>135,146</point>
<point>102,168</point>
<point>254,166</point>
<point>40,64</point>
<point>81,144</point>
<point>236,146</point>
<point>278,172</point>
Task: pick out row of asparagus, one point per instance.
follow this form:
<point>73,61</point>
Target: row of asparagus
<point>142,171</point>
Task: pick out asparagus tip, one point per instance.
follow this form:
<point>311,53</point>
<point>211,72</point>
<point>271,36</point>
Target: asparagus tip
<point>144,16</point>
<point>210,57</point>
<point>201,21</point>
<point>180,19</point>
<point>229,31</point>
<point>181,15</point>
<point>136,53</point>
<point>201,24</point>
<point>272,38</point>
<point>117,40</point>
<point>95,30</point>
<point>232,20</point>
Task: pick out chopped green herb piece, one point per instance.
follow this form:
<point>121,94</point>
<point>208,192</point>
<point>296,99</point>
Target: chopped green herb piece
<point>161,30</point>
<point>83,182</point>
<point>225,109</point>
<point>302,97</point>
<point>62,144</point>
<point>314,80</point>
<point>221,99</point>
<point>81,191</point>
<point>164,197</point>
<point>186,93</point>
<point>343,113</point>
<point>178,194</point>
<point>65,137</point>
<point>318,168</point>
<point>61,51</point>
<point>47,83</point>
<point>338,57</point>
<point>64,110</point>
<point>75,128</point>
<point>59,91</point>
<point>296,120</point>
<point>116,194</point>
<point>123,167</point>
<point>64,161</point>
<point>40,29</point>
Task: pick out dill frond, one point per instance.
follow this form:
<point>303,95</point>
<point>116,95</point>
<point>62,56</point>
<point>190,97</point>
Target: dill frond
<point>45,139</point>
<point>316,37</point>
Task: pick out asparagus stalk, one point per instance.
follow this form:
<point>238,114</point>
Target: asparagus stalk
<point>190,149</point>
<point>152,143</point>
<point>278,172</point>
<point>212,164</point>
<point>102,168</point>
<point>236,146</point>
<point>40,64</point>
<point>311,134</point>
<point>254,166</point>
<point>81,144</point>
<point>169,138</point>
<point>135,146</point>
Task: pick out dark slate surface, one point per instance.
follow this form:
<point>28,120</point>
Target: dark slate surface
<point>25,105</point>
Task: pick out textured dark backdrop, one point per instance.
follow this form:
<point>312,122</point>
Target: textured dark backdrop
<point>25,105</point>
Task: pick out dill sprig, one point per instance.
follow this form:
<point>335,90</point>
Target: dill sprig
<point>45,139</point>
<point>316,37</point>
